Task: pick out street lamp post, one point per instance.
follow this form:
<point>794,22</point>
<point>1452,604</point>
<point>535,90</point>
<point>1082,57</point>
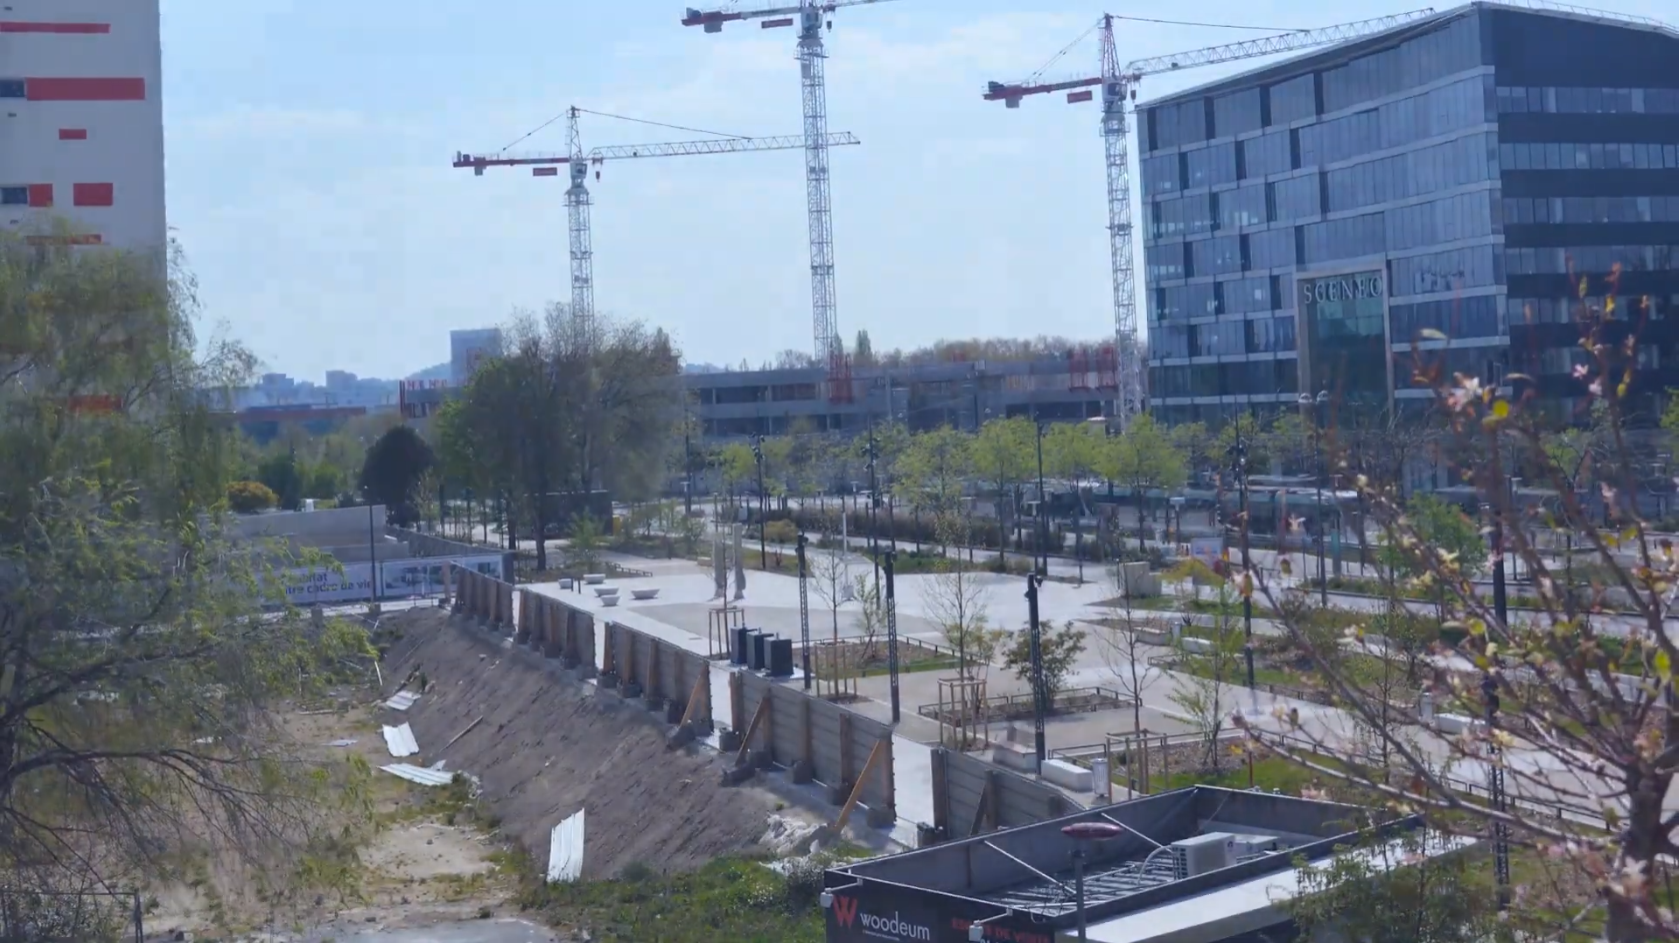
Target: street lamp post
<point>1239,467</point>
<point>1308,401</point>
<point>874,508</point>
<point>1084,833</point>
<point>1043,521</point>
<point>763,509</point>
<point>892,632</point>
<point>1039,705</point>
<point>804,610</point>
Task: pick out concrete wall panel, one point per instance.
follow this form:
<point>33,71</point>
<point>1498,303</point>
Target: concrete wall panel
<point>1018,800</point>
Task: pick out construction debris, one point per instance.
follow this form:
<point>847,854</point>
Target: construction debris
<point>565,850</point>
<point>400,741</point>
<point>402,700</point>
<point>416,774</point>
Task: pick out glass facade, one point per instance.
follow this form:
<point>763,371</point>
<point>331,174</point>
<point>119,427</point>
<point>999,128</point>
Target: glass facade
<point>1474,170</point>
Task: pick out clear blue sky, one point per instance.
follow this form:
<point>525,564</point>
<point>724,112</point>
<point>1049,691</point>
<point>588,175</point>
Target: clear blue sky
<point>309,145</point>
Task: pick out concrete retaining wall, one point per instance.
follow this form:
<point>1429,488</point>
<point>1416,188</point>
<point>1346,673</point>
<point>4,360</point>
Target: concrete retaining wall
<point>972,796</point>
<point>816,739</point>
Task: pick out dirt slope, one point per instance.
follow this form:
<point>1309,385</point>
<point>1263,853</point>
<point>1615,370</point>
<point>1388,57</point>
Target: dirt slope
<point>549,745</point>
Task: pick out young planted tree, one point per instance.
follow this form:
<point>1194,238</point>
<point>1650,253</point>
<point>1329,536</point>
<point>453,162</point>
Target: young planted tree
<point>1209,665</point>
<point>1004,459</point>
<point>1073,452</point>
<point>1144,458</point>
<point>141,681</point>
<point>830,574</point>
<point>1575,699</point>
<point>932,475</point>
<point>1124,649</point>
<point>958,600</point>
<point>1058,652</point>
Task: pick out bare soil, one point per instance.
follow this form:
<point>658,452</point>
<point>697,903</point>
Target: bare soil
<point>544,745</point>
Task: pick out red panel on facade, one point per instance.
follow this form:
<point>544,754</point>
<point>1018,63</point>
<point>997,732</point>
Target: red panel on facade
<point>15,26</point>
<point>40,194</point>
<point>72,134</point>
<point>93,194</point>
<point>87,239</point>
<point>85,90</point>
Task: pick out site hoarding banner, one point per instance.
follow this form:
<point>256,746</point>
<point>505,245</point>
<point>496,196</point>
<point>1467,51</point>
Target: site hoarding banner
<point>398,579</point>
<point>882,913</point>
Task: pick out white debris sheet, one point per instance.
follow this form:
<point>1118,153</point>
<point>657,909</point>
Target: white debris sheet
<point>402,700</point>
<point>400,741</point>
<point>565,850</point>
<point>416,774</point>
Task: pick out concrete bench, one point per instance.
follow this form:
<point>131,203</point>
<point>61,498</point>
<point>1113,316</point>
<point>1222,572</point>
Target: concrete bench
<point>1066,775</point>
<point>594,579</point>
<point>567,583</point>
<point>611,600</point>
<point>605,591</point>
<point>642,595</point>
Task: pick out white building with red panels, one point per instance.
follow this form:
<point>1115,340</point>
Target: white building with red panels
<point>81,122</point>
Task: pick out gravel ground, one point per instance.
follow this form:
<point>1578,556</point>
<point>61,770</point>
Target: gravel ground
<point>548,745</point>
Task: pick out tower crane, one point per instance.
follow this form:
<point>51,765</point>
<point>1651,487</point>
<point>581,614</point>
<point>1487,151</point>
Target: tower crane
<point>577,195</point>
<point>1119,90</point>
<point>811,17</point>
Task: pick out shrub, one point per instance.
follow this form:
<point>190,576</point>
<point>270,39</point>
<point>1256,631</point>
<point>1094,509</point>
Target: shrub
<point>781,532</point>
<point>249,497</point>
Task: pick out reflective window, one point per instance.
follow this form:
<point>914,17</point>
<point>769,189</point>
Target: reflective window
<point>1179,124</point>
<point>1198,214</point>
<point>1210,166</point>
<point>1293,99</point>
<point>1236,113</point>
<point>1347,238</point>
<point>1166,218</point>
<point>1591,259</point>
<point>1164,261</point>
<point>1266,155</point>
<point>1273,248</point>
<point>1295,198</point>
<point>1169,341</point>
<point>1455,163</point>
<point>1588,155</point>
<point>1182,302</point>
<point>1455,48</point>
<point>1160,174</point>
<point>1455,269</point>
<point>1554,100</point>
<point>1246,294</point>
<point>1587,209</point>
<point>1220,338</point>
<point>1221,255</point>
<point>1465,216</point>
<point>1345,327</point>
<point>1476,316</point>
<point>1270,334</point>
<point>1242,207</point>
<point>1395,124</point>
<point>1169,381</point>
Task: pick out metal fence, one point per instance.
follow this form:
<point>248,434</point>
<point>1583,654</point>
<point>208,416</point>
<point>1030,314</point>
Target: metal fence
<point>40,916</point>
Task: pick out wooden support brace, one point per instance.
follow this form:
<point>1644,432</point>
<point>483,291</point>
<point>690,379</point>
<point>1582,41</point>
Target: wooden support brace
<point>857,790</point>
<point>758,717</point>
<point>694,699</point>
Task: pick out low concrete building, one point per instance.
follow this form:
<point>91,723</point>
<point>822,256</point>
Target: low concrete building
<point>1196,865</point>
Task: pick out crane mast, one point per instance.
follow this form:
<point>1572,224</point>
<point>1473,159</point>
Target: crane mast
<point>810,16</point>
<point>1118,90</point>
<point>577,199</point>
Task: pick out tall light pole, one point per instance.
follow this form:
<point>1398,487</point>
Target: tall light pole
<point>1043,521</point>
<point>758,457</point>
<point>874,509</point>
<point>1040,704</point>
<point>1320,402</point>
<point>1239,467</point>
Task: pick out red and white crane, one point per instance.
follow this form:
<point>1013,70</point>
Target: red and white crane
<point>577,195</point>
<point>1119,90</point>
<point>810,17</point>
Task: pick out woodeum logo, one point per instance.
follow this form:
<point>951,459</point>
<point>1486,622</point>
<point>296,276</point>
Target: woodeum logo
<point>847,915</point>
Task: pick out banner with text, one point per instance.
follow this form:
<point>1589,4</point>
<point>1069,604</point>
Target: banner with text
<point>398,579</point>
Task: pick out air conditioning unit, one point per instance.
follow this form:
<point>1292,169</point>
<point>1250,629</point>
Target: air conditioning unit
<point>1202,854</point>
<point>1243,846</point>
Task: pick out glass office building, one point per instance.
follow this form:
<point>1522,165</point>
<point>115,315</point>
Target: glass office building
<point>1309,226</point>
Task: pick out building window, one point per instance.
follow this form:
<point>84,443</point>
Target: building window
<point>1461,162</point>
<point>1293,100</point>
<point>1221,255</point>
<point>1466,216</point>
<point>1273,248</point>
<point>12,88</point>
<point>1160,175</point>
<point>14,196</point>
<point>1295,198</point>
<point>1266,155</point>
<point>1210,166</point>
<point>1164,261</point>
<point>1344,238</point>
<point>1452,270</point>
<point>1242,208</point>
<point>1236,113</point>
<point>1454,48</point>
<point>1591,259</point>
<point>1476,316</point>
<point>1588,156</point>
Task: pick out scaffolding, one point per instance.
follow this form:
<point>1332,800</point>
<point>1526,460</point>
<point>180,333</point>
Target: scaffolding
<point>963,720</point>
<point>721,622</point>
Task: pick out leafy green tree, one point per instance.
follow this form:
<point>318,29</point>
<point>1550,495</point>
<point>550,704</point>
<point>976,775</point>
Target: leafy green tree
<point>1058,651</point>
<point>282,476</point>
<point>932,472</point>
<point>249,497</point>
<point>1398,893</point>
<point>1144,458</point>
<point>140,679</point>
<point>395,466</point>
<point>738,466</point>
<point>1003,457</point>
<point>1198,446</point>
<point>862,353</point>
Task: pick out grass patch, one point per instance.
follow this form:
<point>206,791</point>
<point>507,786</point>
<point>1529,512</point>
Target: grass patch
<point>735,899</point>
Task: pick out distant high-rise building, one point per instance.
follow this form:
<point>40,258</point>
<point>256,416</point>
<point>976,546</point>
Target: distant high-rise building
<point>84,140</point>
<point>467,349</point>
